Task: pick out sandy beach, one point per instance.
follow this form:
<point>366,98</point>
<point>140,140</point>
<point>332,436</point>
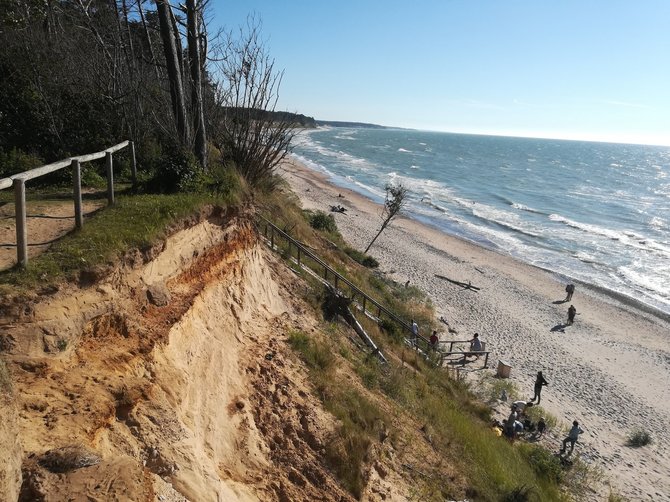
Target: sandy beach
<point>610,370</point>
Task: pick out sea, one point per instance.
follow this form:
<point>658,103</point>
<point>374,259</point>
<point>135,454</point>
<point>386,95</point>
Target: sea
<point>592,212</point>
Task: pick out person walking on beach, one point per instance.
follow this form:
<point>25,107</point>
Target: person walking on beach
<point>569,289</point>
<point>539,383</point>
<point>415,332</point>
<point>572,311</point>
<point>572,438</point>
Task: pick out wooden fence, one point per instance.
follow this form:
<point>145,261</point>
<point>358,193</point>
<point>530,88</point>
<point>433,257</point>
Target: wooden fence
<point>364,302</point>
<point>18,181</point>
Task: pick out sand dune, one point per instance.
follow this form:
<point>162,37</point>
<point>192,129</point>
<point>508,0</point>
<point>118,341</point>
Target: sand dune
<point>610,370</point>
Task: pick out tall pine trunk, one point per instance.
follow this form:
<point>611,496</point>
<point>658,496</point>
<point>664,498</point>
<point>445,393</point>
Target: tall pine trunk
<point>193,36</point>
<point>172,60</point>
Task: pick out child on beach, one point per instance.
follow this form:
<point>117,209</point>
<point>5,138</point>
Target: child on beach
<point>572,437</point>
<point>541,426</point>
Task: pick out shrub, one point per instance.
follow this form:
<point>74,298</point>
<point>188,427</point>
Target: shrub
<point>638,438</point>
<point>225,181</point>
<point>91,178</point>
<point>322,221</point>
<point>16,161</point>
<point>298,340</point>
<point>545,464</point>
<point>176,170</point>
<point>362,258</point>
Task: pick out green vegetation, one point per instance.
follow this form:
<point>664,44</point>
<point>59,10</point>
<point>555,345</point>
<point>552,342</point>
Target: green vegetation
<point>362,258</point>
<point>134,222</point>
<point>638,438</point>
<point>359,418</point>
<point>322,221</point>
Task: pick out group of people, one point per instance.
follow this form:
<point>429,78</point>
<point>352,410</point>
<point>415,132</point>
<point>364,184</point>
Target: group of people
<point>516,422</point>
<point>475,342</point>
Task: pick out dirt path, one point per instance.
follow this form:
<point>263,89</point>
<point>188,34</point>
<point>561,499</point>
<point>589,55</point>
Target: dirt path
<point>48,221</point>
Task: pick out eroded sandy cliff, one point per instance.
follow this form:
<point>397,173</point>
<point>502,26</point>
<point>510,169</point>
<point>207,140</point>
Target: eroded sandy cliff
<point>166,380</point>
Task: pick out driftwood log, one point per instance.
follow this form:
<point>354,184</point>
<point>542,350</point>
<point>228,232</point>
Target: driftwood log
<point>466,285</point>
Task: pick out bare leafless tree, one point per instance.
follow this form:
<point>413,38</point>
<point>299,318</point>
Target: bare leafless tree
<point>250,135</point>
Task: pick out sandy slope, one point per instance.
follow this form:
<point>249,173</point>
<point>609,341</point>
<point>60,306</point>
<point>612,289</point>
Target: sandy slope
<point>610,370</point>
<point>199,399</point>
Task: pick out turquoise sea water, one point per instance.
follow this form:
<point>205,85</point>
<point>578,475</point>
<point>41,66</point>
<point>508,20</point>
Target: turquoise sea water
<point>595,212</point>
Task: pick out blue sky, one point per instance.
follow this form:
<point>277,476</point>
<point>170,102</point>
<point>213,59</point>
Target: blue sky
<point>589,69</point>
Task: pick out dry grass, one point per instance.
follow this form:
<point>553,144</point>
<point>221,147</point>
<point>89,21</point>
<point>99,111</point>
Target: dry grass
<point>5,378</point>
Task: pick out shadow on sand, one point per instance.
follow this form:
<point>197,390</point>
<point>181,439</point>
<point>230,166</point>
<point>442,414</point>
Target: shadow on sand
<point>560,327</point>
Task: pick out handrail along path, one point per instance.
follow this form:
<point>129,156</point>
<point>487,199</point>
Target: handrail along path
<point>18,181</point>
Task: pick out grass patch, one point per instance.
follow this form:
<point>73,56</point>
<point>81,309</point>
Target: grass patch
<point>359,418</point>
<point>362,258</point>
<point>638,438</point>
<point>5,378</point>
<point>133,222</point>
<point>545,463</point>
<point>317,355</point>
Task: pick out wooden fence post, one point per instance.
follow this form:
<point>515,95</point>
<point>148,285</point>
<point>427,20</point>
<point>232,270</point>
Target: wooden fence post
<point>110,178</point>
<point>76,175</point>
<point>21,225</point>
<point>133,163</point>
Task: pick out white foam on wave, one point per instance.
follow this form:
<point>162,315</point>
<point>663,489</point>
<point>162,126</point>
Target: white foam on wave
<point>657,223</point>
<point>627,238</point>
<point>310,163</point>
<point>655,283</point>
<point>505,219</point>
<point>404,151</point>
<point>523,207</point>
<point>413,167</point>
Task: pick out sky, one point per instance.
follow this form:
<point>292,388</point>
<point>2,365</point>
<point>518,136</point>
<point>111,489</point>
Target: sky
<point>589,69</point>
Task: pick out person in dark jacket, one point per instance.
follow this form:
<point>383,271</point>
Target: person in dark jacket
<point>539,383</point>
<point>572,311</point>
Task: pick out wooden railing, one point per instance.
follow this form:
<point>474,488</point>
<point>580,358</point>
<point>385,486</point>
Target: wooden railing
<point>420,343</point>
<point>18,181</point>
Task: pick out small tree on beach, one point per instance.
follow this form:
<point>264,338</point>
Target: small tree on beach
<point>396,197</point>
